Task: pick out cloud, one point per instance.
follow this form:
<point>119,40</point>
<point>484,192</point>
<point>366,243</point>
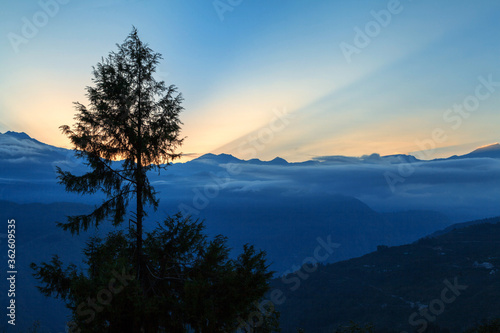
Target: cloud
<point>20,160</point>
<point>12,146</point>
<point>18,151</point>
<point>255,185</point>
<point>461,188</point>
<point>191,155</point>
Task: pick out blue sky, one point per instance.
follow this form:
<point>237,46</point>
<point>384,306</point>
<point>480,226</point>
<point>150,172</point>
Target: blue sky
<point>271,78</point>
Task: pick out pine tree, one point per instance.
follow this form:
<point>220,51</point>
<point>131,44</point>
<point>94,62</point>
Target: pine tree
<point>192,285</point>
<point>133,118</point>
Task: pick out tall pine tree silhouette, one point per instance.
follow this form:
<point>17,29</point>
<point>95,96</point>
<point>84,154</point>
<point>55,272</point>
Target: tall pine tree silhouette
<point>133,118</point>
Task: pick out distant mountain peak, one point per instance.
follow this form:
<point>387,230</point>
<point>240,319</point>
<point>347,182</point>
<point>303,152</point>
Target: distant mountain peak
<point>487,148</point>
<point>228,158</point>
<point>278,160</point>
<point>221,158</point>
<point>18,135</point>
<point>21,139</point>
<point>488,151</point>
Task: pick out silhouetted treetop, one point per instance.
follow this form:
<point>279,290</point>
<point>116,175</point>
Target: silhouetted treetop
<point>130,117</point>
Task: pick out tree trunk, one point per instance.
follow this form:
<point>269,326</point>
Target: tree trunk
<point>140,184</point>
<point>140,213</point>
<point>140,208</point>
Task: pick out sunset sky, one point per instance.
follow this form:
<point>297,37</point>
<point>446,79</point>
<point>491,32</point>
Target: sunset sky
<point>295,79</point>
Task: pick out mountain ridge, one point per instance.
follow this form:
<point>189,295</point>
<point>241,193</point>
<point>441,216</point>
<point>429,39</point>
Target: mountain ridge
<point>397,288</point>
<point>490,150</point>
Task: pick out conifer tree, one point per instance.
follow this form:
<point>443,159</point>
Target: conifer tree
<point>192,285</point>
<point>133,118</point>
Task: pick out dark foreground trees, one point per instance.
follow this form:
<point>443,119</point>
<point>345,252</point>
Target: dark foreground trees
<point>492,326</point>
<point>173,278</point>
<point>192,283</point>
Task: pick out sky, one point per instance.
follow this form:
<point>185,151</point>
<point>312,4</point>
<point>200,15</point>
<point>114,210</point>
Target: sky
<point>260,79</point>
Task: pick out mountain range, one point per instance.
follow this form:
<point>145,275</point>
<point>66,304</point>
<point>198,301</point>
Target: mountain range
<point>355,204</point>
<point>461,187</point>
<point>361,202</point>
